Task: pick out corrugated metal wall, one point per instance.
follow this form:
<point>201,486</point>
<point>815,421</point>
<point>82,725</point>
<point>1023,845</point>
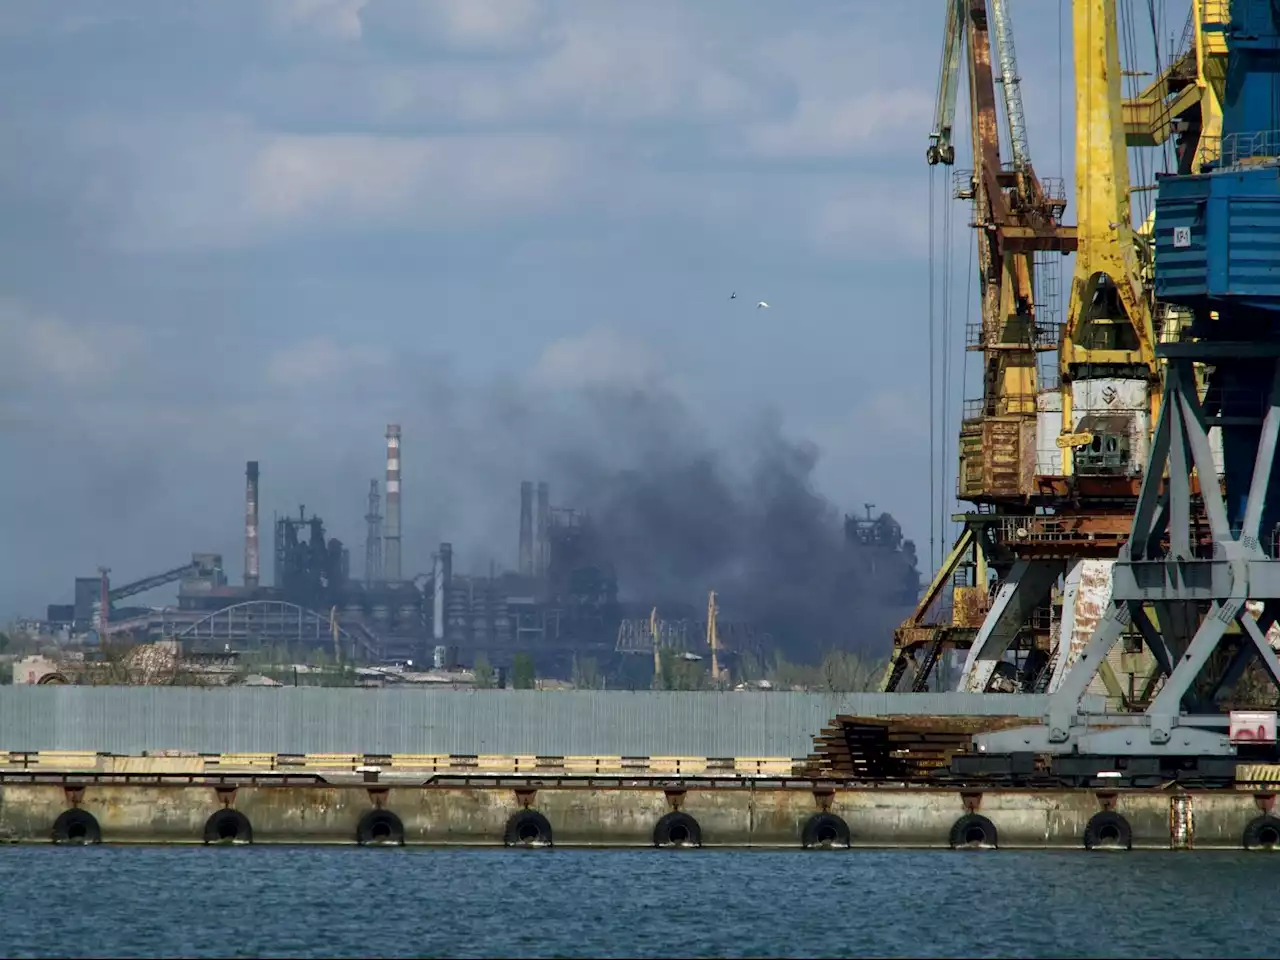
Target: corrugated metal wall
<point>129,720</point>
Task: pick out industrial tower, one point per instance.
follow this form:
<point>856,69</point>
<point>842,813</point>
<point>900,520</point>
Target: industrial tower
<point>391,536</point>
<point>373,538</point>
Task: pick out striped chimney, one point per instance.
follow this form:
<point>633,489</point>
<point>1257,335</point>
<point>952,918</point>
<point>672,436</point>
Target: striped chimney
<point>391,530</point>
<point>251,556</point>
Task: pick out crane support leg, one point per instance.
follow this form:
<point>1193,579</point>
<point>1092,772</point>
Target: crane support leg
<point>1160,566</point>
<point>1026,588</point>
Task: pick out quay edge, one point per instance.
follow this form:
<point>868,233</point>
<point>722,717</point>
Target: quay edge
<point>750,813</point>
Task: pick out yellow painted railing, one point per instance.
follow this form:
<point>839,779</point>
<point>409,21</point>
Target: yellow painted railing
<point>582,766</point>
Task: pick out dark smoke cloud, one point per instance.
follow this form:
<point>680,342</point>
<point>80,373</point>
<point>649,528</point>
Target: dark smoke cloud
<point>681,508</point>
<point>680,516</point>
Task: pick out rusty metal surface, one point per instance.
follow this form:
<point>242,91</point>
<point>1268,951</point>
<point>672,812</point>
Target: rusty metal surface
<point>970,606</point>
<point>1081,619</point>
<point>1002,456</point>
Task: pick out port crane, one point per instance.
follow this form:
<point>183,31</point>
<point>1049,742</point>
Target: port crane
<point>1051,540</point>
<point>1016,215</point>
<point>1204,545</point>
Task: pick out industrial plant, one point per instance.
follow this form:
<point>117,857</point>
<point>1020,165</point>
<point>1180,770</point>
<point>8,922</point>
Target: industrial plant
<point>561,601</point>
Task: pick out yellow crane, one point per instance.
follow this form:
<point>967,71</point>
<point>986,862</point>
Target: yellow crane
<point>1016,216</point>
<point>1079,476</point>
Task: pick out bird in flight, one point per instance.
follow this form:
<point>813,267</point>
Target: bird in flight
<point>734,295</point>
<point>762,304</point>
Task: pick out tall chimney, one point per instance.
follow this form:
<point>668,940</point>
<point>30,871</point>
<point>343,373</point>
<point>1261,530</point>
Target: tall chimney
<point>542,530</point>
<point>391,534</point>
<point>251,555</point>
<point>526,528</point>
<point>373,538</point>
<point>439,586</point>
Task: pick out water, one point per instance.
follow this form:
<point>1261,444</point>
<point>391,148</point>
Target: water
<point>350,901</point>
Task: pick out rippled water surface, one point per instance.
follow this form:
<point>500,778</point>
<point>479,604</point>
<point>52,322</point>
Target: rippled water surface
<point>349,901</point>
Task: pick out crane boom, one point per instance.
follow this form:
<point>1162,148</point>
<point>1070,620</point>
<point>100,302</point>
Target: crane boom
<point>1011,84</point>
<point>941,149</point>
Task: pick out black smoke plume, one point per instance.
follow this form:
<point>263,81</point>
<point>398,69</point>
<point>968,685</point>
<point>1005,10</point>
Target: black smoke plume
<point>680,515</point>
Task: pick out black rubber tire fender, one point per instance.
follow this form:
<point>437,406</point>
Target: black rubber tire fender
<point>677,829</point>
<point>380,828</point>
<point>527,828</point>
<point>76,826</point>
<point>973,830</point>
<point>825,830</point>
<point>228,826</point>
<point>1109,830</point>
<point>1262,833</point>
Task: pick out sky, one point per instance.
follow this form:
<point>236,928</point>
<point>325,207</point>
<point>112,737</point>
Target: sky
<point>264,229</point>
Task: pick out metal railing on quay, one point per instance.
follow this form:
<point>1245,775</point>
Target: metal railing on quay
<point>429,764</point>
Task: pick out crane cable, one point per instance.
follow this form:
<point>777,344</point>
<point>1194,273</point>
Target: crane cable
<point>944,331</point>
<point>934,560</point>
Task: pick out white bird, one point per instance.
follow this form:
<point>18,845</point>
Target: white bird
<point>762,304</point>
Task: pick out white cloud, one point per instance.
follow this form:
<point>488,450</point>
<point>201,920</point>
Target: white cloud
<point>324,19</point>
<point>218,182</point>
<point>41,349</point>
<point>834,126</point>
<point>460,26</point>
<point>886,218</point>
<point>425,180</point>
<point>856,92</point>
<point>321,360</point>
<point>598,358</point>
<point>629,66</point>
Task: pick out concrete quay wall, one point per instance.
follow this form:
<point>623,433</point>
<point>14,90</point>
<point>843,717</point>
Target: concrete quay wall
<point>742,813</point>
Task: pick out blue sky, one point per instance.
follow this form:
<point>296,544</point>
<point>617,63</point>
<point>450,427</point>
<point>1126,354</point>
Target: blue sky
<point>265,228</point>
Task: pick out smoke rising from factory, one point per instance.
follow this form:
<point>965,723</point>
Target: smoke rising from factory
<point>680,516</point>
<point>679,510</point>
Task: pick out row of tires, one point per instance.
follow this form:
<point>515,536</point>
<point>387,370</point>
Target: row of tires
<point>529,828</point>
<point>524,828</point>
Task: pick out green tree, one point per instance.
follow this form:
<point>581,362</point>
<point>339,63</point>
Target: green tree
<point>523,675</point>
<point>586,674</point>
<point>483,673</point>
<point>845,672</point>
<point>678,673</point>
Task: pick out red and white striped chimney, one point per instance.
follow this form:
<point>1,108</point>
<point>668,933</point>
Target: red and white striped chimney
<point>251,524</point>
<point>391,532</point>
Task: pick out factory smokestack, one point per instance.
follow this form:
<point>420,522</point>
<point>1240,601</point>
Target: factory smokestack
<point>251,555</point>
<point>526,528</point>
<point>440,585</point>
<point>542,531</point>
<point>373,538</point>
<point>391,532</point>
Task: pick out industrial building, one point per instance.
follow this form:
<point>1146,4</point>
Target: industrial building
<point>560,601</point>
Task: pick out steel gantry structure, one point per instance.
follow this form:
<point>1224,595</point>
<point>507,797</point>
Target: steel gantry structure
<point>1052,534</point>
<point>1201,557</point>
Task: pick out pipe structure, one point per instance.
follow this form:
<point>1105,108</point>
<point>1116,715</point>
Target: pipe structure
<point>391,534</point>
<point>542,531</point>
<point>438,578</point>
<point>373,537</point>
<point>526,529</point>
<point>252,557</point>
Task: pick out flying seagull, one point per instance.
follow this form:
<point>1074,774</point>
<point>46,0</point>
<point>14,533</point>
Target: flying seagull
<point>762,304</point>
